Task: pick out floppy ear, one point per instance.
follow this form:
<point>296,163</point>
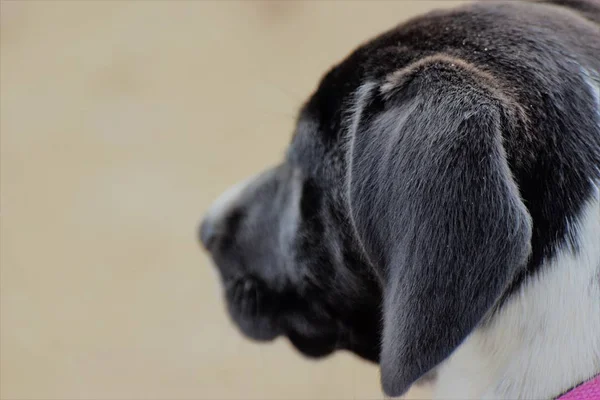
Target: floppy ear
<point>436,209</point>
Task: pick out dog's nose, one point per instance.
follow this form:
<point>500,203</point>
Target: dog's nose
<point>216,224</point>
<point>207,234</point>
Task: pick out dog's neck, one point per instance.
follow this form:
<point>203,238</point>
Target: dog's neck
<point>546,338</point>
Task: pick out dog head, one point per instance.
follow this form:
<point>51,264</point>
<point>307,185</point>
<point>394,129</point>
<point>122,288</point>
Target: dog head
<point>287,260</point>
<point>393,225</point>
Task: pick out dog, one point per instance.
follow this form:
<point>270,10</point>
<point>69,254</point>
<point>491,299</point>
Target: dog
<point>438,209</point>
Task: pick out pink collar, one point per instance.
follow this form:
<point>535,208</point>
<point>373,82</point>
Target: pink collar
<point>589,390</point>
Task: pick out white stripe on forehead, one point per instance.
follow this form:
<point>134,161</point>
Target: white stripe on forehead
<point>228,199</point>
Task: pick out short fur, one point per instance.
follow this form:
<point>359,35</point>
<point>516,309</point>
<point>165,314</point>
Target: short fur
<point>438,208</point>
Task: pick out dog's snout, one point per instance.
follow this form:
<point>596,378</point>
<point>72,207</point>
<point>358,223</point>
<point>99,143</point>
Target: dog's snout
<point>221,228</point>
<point>216,224</point>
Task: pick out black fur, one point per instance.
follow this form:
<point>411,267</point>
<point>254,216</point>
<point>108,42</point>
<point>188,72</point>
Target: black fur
<point>430,174</point>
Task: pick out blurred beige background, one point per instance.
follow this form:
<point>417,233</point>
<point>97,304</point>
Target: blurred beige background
<point>120,122</point>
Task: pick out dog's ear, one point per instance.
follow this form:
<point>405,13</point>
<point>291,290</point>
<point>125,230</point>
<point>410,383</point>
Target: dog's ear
<point>436,209</point>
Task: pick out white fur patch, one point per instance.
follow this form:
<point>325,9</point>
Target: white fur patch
<point>546,338</point>
<point>225,201</point>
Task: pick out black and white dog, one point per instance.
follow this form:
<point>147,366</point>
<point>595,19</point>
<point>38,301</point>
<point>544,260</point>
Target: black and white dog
<point>438,208</point>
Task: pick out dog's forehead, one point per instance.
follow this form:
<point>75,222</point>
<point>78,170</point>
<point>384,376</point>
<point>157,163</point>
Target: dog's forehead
<point>320,130</point>
<point>327,104</point>
<point>319,124</point>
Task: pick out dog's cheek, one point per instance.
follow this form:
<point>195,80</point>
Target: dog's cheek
<point>311,202</point>
<point>313,257</point>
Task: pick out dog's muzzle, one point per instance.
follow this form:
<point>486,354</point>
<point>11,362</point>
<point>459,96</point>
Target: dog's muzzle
<point>244,233</point>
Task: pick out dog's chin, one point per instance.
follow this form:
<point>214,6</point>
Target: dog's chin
<point>257,313</point>
<point>257,329</point>
<point>314,347</point>
<point>250,310</point>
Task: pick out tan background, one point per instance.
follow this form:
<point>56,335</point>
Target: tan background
<point>120,122</point>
